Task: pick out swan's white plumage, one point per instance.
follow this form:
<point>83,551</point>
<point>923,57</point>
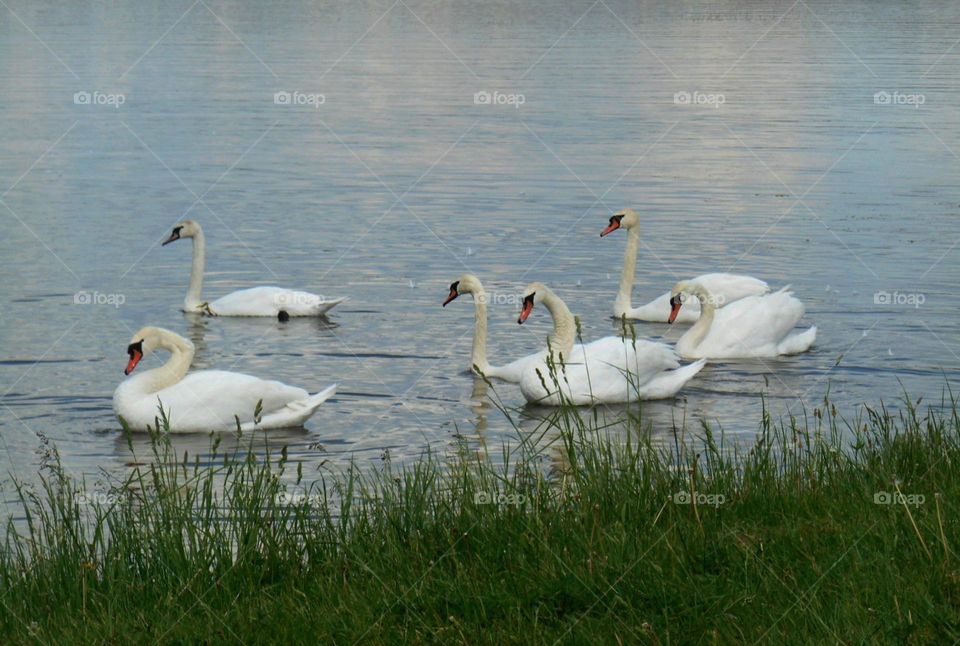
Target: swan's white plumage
<point>609,370</point>
<point>255,301</point>
<point>726,288</point>
<point>756,326</point>
<point>206,400</point>
<point>270,301</point>
<point>511,372</point>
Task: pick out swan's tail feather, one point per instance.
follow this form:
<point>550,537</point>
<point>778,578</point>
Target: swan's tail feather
<point>323,307</point>
<point>668,383</point>
<point>797,343</point>
<point>297,412</point>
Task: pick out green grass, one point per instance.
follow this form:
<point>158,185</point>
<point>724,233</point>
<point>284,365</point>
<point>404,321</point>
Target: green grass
<point>790,548</point>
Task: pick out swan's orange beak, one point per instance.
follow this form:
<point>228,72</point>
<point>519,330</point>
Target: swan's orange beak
<point>135,350</point>
<point>173,236</point>
<point>526,309</point>
<point>454,292</point>
<point>675,304</point>
<point>613,226</point>
<point>135,357</point>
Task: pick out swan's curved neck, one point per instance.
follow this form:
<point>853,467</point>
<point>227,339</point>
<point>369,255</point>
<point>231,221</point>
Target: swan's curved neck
<point>480,332</point>
<point>192,301</point>
<point>564,325</point>
<point>699,330</point>
<point>181,356</point>
<point>622,304</point>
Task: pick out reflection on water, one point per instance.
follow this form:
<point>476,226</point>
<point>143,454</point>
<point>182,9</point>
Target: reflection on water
<point>399,182</point>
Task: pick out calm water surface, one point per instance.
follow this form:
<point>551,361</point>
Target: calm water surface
<point>748,137</point>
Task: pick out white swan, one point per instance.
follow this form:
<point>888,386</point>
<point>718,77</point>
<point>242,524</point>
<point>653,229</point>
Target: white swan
<point>726,288</point>
<point>205,400</point>
<point>609,370</point>
<point>756,326</point>
<point>511,372</point>
<point>255,301</point>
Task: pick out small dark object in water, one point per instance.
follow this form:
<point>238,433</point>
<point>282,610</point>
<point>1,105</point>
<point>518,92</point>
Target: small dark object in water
<point>283,317</point>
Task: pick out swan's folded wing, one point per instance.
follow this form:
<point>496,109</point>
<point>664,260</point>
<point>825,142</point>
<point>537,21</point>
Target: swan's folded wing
<point>213,397</point>
<point>270,301</point>
<point>615,368</point>
<point>755,322</point>
<point>728,288</point>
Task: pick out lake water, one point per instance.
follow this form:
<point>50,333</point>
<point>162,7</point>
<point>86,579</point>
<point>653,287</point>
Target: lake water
<point>799,142</point>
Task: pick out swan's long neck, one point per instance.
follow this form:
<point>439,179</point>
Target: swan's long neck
<point>480,331</point>
<point>564,325</point>
<point>181,356</point>
<point>622,304</point>
<point>699,330</point>
<point>192,301</point>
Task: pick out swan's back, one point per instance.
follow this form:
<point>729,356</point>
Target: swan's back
<point>752,325</point>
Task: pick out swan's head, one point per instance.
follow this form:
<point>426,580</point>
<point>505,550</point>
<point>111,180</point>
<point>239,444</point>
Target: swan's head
<point>143,343</point>
<point>534,293</point>
<point>185,229</point>
<point>627,219</point>
<point>678,295</point>
<point>466,284</point>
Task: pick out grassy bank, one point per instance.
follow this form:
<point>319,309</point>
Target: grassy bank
<point>829,530</point>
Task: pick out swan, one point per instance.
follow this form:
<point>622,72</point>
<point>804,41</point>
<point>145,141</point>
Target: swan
<point>726,288</point>
<point>204,400</point>
<point>511,372</point>
<point>756,326</point>
<point>256,301</point>
<point>609,370</point>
